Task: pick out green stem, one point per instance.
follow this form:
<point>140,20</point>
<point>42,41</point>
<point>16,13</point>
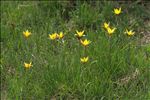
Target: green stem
<point>129,53</point>
<point>85,51</point>
<point>26,48</point>
<point>109,55</point>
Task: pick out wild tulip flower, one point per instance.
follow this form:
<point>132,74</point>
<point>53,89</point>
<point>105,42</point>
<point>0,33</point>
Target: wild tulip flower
<point>129,33</point>
<point>60,35</point>
<point>117,11</point>
<point>79,34</point>
<point>53,36</point>
<point>27,65</point>
<point>111,30</point>
<point>85,42</point>
<point>106,25</point>
<point>84,59</point>
<point>26,34</point>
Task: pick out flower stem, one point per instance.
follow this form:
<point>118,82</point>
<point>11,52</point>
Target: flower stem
<point>110,47</point>
<point>129,53</point>
<point>84,51</point>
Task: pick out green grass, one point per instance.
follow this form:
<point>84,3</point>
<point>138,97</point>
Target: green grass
<point>57,71</point>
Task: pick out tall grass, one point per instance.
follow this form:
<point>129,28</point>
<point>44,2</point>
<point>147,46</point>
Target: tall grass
<point>117,68</point>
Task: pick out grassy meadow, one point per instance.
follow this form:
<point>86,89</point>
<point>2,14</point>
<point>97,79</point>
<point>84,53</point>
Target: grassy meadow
<point>45,65</point>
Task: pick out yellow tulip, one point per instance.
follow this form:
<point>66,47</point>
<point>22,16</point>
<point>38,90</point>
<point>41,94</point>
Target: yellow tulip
<point>117,11</point>
<point>106,25</point>
<point>129,33</point>
<point>27,65</point>
<point>79,34</point>
<point>84,59</point>
<point>85,42</point>
<point>111,31</point>
<point>26,34</point>
<point>60,35</point>
<point>53,36</point>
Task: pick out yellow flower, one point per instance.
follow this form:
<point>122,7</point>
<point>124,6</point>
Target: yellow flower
<point>27,65</point>
<point>26,34</point>
<point>79,34</point>
<point>106,25</point>
<point>111,31</point>
<point>53,36</point>
<point>84,59</point>
<point>85,42</point>
<point>117,11</point>
<point>60,35</point>
<point>129,33</point>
